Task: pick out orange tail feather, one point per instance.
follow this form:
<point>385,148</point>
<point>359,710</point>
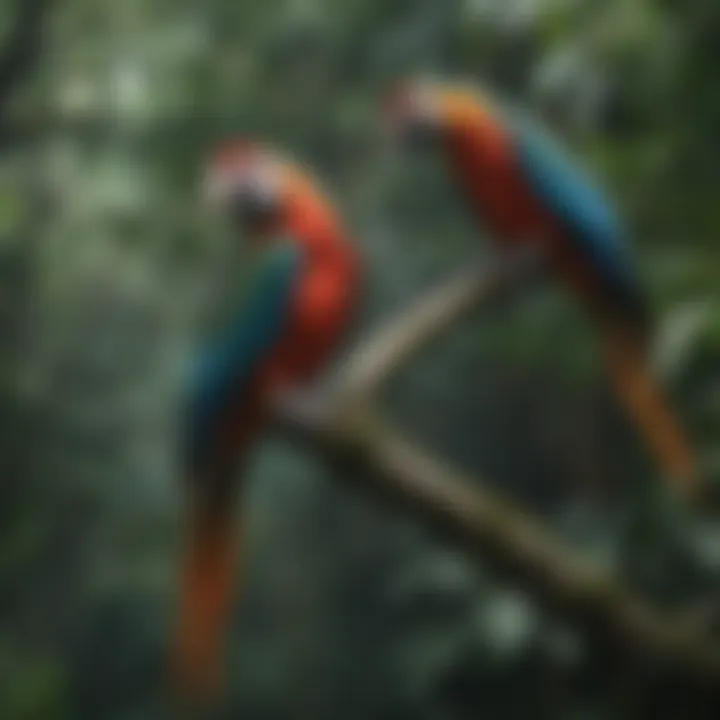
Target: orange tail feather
<point>643,398</point>
<point>206,595</point>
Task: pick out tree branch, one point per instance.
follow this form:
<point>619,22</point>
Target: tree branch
<point>403,336</point>
<point>343,427</point>
<point>463,511</point>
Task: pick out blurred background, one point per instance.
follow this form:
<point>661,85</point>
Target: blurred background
<point>107,267</point>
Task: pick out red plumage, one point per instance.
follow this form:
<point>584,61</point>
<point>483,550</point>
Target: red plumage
<point>485,160</point>
<point>320,312</point>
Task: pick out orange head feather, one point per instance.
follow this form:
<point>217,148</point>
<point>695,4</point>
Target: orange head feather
<point>433,107</point>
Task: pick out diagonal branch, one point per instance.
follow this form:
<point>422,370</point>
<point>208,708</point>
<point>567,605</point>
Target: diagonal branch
<point>343,427</point>
<point>403,336</point>
<point>467,514</point>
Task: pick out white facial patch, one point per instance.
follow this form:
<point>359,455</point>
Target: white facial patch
<point>259,178</point>
<point>422,106</point>
<point>264,182</point>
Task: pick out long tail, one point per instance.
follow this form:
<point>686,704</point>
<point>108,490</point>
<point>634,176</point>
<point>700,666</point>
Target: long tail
<point>206,595</point>
<point>627,362</point>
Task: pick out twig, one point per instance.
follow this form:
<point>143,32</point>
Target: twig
<point>412,328</point>
<point>343,426</point>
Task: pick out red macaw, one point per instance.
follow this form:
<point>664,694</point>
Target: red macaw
<point>522,187</point>
<point>288,329</point>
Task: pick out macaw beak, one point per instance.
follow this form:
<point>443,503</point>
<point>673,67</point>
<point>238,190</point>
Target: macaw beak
<point>252,207</point>
<point>412,122</point>
<point>420,133</point>
<point>248,204</point>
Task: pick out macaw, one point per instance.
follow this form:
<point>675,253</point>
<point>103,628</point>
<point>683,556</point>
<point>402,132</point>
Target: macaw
<point>288,329</point>
<point>523,188</point>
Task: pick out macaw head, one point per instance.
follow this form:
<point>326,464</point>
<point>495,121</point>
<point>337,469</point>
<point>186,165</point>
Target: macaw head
<point>413,115</point>
<point>243,183</point>
<point>421,113</point>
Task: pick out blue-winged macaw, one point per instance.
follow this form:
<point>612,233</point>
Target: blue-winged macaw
<point>286,331</point>
<point>527,193</point>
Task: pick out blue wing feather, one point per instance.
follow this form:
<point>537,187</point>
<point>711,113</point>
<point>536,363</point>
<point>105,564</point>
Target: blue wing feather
<point>583,211</point>
<point>228,364</point>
